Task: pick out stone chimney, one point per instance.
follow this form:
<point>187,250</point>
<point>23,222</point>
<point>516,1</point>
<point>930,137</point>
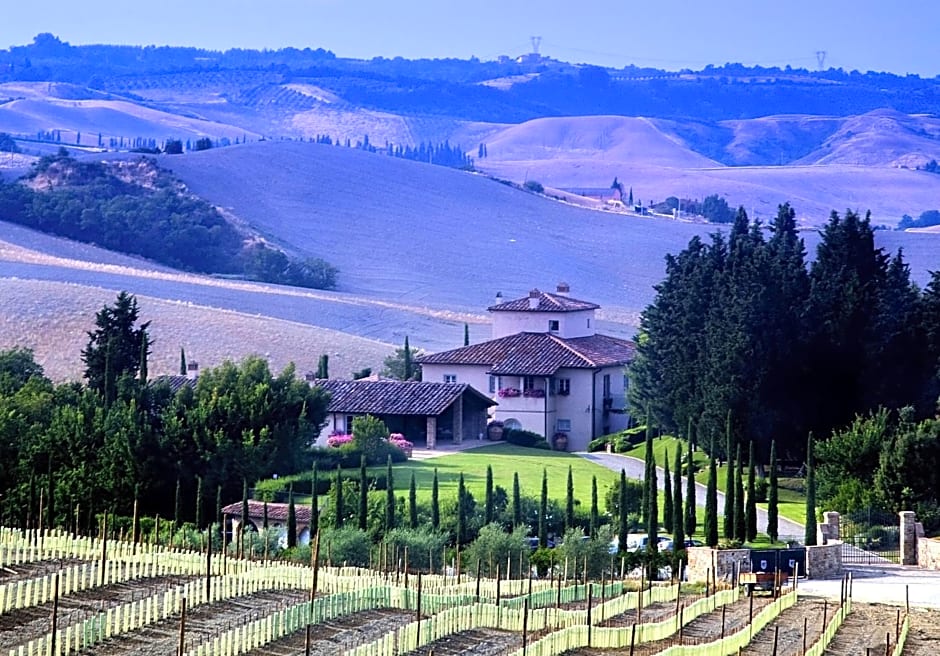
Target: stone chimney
<point>499,298</point>
<point>192,370</point>
<point>534,299</point>
<point>563,289</point>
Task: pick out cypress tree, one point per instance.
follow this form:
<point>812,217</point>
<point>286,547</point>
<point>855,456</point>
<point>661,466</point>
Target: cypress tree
<point>407,366</point>
<point>389,496</point>
<point>199,502</point>
<point>751,507</point>
<point>291,520</point>
<point>218,508</point>
<point>652,514</point>
<point>543,511</point>
<point>461,511</point>
<point>363,494</point>
<point>488,513</point>
<point>691,521</point>
<point>338,522</point>
<point>623,524</point>
<point>244,524</point>
<point>314,503</point>
<point>323,367</point>
<point>569,501</point>
<point>178,509</point>
<point>144,349</point>
<point>413,503</point>
<point>773,496</point>
<point>729,483</point>
<point>264,519</point>
<point>647,473</point>
<point>182,361</point>
<point>740,525</point>
<point>667,496</point>
<point>516,501</point>
<point>711,505</point>
<point>466,335</point>
<point>810,537</point>
<point>678,532</point>
<point>435,504</point>
<point>595,515</point>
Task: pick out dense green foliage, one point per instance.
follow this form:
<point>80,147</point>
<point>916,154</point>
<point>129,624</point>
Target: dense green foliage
<point>94,202</point>
<point>741,325</point>
<point>7,145</point>
<point>240,422</point>
<point>925,220</point>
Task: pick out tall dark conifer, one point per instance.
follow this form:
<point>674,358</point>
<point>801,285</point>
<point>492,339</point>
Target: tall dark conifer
<point>711,505</point>
<point>810,536</point>
<point>740,523</point>
<point>363,514</point>
<point>569,501</point>
<point>462,504</point>
<point>291,520</point>
<point>389,496</point>
<point>435,503</point>
<point>728,523</point>
<point>489,513</point>
<point>516,501</point>
<point>678,518</point>
<point>691,521</point>
<point>595,514</point>
<point>750,510</point>
<point>773,496</point>
<point>340,505</point>
<point>412,503</point>
<point>543,511</point>
<point>667,495</point>
<point>623,525</point>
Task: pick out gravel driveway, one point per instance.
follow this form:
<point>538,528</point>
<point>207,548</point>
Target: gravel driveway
<point>636,468</point>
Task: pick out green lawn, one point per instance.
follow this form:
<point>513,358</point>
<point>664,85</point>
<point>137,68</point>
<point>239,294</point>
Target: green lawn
<point>505,459</point>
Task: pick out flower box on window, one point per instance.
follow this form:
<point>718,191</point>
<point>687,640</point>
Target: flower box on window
<point>510,392</point>
<point>535,393</point>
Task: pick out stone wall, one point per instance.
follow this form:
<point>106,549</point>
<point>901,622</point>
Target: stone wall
<point>725,562</point>
<point>928,553</point>
<point>824,561</point>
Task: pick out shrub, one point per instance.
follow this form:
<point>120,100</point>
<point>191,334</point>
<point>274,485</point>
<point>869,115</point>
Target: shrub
<point>346,545</point>
<point>760,490</point>
<point>338,439</point>
<point>423,544</point>
<point>534,186</point>
<point>521,437</point>
<point>494,547</point>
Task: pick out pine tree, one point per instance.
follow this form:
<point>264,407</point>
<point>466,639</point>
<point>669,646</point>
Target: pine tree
<point>338,522</point>
<point>291,520</point>
<point>729,483</point>
<point>740,525</point>
<point>622,520</point>
<point>412,503</point>
<point>750,518</point>
<point>569,501</point>
<point>711,505</point>
<point>691,521</point>
<point>435,504</point>
<point>488,510</point>
<point>363,494</point>
<point>678,519</point>
<point>667,496</point>
<point>595,514</point>
<point>516,501</point>
<point>810,537</point>
<point>773,496</point>
<point>543,511</point>
<point>389,496</point>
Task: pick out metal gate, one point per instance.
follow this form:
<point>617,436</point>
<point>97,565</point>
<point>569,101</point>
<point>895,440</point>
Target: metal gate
<point>870,537</point>
<point>786,561</point>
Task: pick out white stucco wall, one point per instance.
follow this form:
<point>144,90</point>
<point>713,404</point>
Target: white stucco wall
<point>570,324</point>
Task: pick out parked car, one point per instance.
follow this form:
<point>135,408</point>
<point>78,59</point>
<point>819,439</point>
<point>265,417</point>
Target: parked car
<point>689,542</point>
<point>638,541</point>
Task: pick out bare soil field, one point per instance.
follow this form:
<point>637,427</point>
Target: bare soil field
<point>35,569</point>
<point>868,626</point>
<point>705,628</point>
<point>202,623</point>
<point>923,639</point>
<point>478,642</point>
<point>788,629</point>
<point>339,635</point>
<point>20,626</point>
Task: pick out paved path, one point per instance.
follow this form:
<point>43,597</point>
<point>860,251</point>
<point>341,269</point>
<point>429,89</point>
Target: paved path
<point>636,468</point>
<point>884,584</point>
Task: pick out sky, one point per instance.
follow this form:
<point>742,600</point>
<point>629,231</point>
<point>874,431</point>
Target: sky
<point>671,34</point>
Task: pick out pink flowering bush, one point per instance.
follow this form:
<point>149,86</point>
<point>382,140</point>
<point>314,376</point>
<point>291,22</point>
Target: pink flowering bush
<point>338,439</point>
<point>397,439</point>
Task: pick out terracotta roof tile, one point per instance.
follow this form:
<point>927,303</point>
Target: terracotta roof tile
<point>395,397</point>
<point>546,303</point>
<point>277,512</point>
<point>538,354</point>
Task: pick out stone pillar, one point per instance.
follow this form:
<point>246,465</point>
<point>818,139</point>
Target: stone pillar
<point>432,432</point>
<point>832,520</point>
<point>908,537</point>
<point>458,420</point>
